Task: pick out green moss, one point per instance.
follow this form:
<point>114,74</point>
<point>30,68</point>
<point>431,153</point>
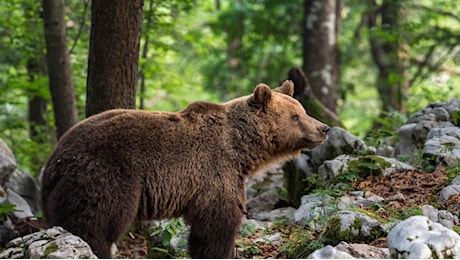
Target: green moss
<point>335,233</point>
<point>368,165</point>
<point>370,214</point>
<point>51,248</point>
<point>456,229</point>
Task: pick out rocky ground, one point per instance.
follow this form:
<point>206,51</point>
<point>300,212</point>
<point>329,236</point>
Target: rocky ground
<point>418,188</point>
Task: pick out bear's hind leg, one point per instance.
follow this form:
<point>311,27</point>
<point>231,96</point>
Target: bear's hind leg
<point>101,247</point>
<point>213,236</point>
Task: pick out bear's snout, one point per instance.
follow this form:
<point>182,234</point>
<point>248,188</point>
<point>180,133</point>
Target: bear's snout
<point>324,129</point>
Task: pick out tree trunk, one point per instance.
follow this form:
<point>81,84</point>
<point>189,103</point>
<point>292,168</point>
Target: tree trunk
<point>235,50</point>
<point>38,125</point>
<point>303,92</point>
<point>321,56</point>
<point>389,53</point>
<point>58,62</point>
<point>113,55</point>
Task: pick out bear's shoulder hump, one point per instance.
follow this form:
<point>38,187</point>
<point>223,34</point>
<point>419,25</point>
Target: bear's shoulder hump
<point>203,107</point>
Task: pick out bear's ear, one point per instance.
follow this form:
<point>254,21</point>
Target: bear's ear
<point>287,88</point>
<point>262,94</point>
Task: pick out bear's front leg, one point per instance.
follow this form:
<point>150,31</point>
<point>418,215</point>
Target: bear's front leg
<point>213,233</point>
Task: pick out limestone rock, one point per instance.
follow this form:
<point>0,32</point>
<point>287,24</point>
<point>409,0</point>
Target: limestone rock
<point>363,251</point>
<point>339,142</point>
<point>419,237</point>
<point>51,243</point>
<point>347,225</point>
<point>448,191</point>
<point>329,252</point>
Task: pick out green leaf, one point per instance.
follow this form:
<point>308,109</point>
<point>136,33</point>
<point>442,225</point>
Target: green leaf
<point>166,239</point>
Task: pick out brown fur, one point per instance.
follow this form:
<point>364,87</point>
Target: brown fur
<point>125,165</point>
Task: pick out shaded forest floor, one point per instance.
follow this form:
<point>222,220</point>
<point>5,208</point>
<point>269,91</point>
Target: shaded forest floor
<point>417,187</point>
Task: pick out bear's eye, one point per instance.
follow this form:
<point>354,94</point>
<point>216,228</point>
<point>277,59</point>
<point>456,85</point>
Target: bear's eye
<point>295,117</point>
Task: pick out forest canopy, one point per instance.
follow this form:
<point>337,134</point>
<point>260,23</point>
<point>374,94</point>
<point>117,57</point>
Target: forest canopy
<point>389,59</point>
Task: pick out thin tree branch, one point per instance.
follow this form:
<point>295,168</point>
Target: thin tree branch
<point>81,26</point>
<point>436,66</point>
<point>151,10</point>
<point>436,10</point>
<point>422,64</point>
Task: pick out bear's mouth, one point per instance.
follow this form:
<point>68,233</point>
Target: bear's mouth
<point>313,143</point>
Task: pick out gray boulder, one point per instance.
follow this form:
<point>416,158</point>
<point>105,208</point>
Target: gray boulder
<point>313,206</point>
<point>413,135</point>
<point>50,243</point>
<point>363,251</point>
<point>448,191</point>
<point>330,169</point>
<point>262,203</point>
<point>419,237</point>
<point>348,251</point>
<point>329,252</point>
<point>25,186</point>
<point>339,142</point>
<point>438,111</point>
<point>347,225</point>
<point>22,209</point>
<point>442,217</point>
<point>358,199</point>
<point>443,150</point>
<point>456,180</point>
<point>286,214</point>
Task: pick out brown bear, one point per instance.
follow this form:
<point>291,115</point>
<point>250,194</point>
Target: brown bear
<point>122,166</point>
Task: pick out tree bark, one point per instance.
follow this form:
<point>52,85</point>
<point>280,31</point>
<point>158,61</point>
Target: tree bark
<point>113,55</point>
<point>304,93</point>
<point>389,53</point>
<point>321,56</point>
<point>58,62</point>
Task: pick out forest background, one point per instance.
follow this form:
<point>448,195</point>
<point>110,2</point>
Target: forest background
<point>370,63</point>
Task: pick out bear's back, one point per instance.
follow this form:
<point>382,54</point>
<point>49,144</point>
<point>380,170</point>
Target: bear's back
<point>141,138</point>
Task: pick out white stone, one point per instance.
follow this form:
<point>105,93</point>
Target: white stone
<point>419,237</point>
<point>329,252</point>
<point>55,243</point>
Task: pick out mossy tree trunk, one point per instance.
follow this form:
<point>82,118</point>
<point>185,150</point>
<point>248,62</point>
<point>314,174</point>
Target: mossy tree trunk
<point>304,93</point>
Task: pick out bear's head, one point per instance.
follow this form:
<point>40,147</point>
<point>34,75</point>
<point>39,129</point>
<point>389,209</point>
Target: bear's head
<point>291,128</point>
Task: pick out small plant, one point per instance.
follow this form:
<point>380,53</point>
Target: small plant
<point>6,209</point>
<point>456,117</point>
<point>300,243</point>
<point>404,214</point>
<point>248,250</point>
<point>247,229</point>
<point>166,230</point>
<point>369,165</point>
<point>453,172</point>
<point>387,128</point>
